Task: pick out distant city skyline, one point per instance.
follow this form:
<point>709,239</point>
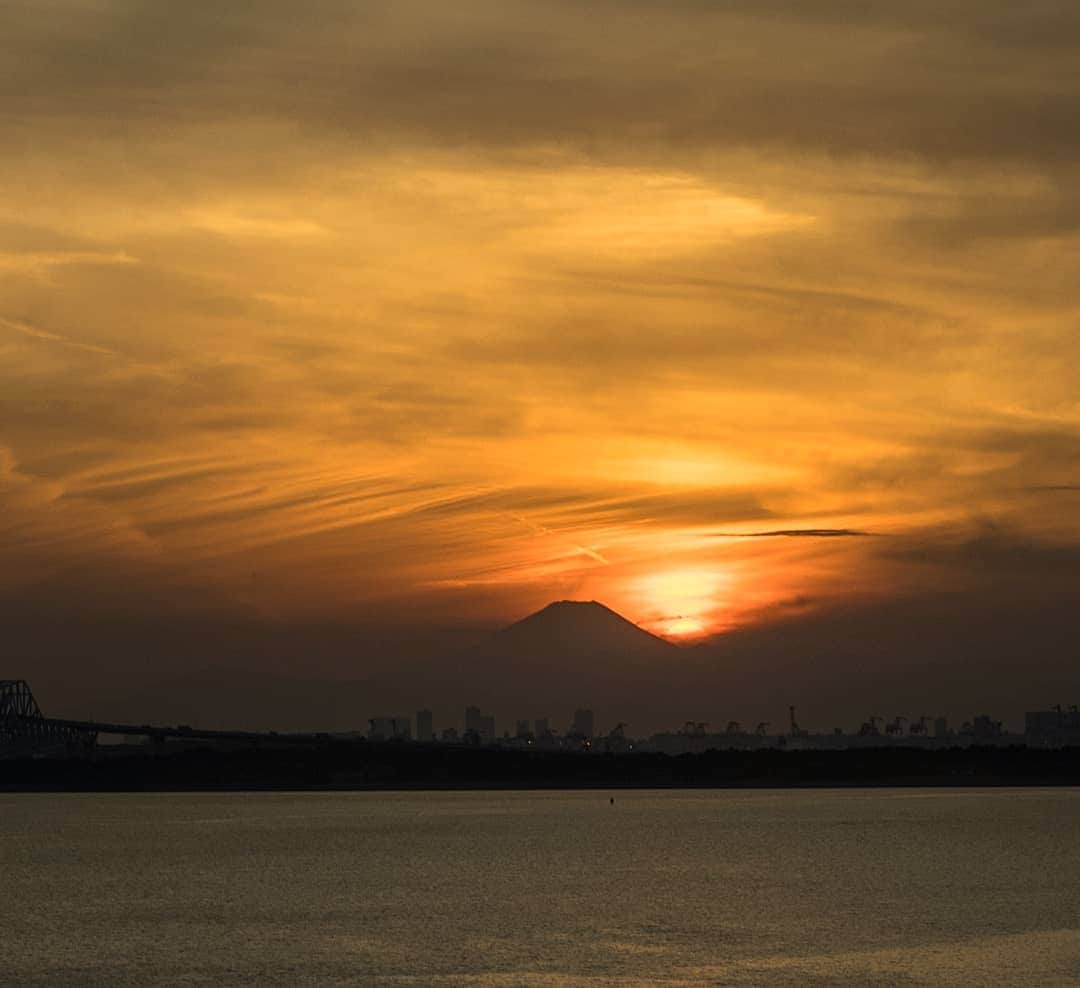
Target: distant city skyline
<point>1058,723</point>
<point>568,647</point>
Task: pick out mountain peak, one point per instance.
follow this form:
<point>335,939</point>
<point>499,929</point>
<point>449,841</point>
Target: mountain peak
<point>582,626</point>
<point>576,605</point>
<point>571,651</point>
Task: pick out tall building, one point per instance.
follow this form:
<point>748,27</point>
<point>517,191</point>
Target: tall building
<point>540,727</point>
<point>522,729</point>
<point>1053,727</point>
<point>425,729</point>
<point>983,728</point>
<point>389,729</point>
<point>583,723</point>
<point>478,723</point>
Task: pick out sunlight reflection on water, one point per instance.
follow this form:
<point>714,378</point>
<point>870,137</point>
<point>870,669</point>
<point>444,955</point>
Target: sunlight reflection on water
<point>883,887</point>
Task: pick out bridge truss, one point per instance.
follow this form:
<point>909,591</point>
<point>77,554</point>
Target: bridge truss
<point>25,731</point>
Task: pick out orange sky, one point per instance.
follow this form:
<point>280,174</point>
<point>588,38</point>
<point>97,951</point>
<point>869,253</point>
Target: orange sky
<point>439,311</point>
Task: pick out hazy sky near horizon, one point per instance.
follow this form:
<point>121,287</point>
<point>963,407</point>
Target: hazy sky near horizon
<point>429,313</point>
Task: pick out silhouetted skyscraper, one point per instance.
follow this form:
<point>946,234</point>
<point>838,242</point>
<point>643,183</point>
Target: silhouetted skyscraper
<point>479,724</point>
<point>425,730</point>
<point>583,723</point>
<point>983,727</point>
<point>389,728</point>
<point>1053,727</point>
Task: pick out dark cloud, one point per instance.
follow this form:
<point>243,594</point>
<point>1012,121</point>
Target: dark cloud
<point>985,84</point>
<point>1044,213</point>
<point>809,533</point>
<point>972,470</point>
<point>993,553</point>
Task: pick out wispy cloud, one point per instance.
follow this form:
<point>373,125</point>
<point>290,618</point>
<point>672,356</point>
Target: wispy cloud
<point>41,262</point>
<point>34,333</point>
<point>809,533</point>
<point>411,297</point>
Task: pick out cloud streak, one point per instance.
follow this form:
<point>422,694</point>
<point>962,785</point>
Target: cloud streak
<point>45,336</point>
<point>423,314</point>
<point>799,533</point>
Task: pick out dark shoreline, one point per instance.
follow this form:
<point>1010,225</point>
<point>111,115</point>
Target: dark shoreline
<point>344,766</point>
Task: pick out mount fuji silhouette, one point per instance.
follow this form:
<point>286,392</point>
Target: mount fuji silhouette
<point>570,653</point>
<point>578,631</point>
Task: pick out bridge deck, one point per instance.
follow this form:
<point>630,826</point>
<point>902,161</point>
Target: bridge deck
<point>163,731</point>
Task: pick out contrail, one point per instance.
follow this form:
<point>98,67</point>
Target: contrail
<point>41,334</point>
<point>544,530</point>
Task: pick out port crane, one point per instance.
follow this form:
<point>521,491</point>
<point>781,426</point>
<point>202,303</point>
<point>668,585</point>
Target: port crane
<point>733,727</point>
<point>869,728</point>
<point>918,727</point>
<point>695,728</point>
<point>796,731</point>
<point>763,728</point>
<point>897,726</point>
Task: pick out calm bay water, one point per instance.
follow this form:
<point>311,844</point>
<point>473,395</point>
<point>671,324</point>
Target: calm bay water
<point>889,887</point>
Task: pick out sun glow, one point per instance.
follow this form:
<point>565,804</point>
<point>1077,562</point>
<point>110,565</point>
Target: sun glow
<point>682,603</point>
<point>682,627</point>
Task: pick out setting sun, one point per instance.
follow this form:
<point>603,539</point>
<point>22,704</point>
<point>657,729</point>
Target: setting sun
<point>682,603</point>
<point>682,627</point>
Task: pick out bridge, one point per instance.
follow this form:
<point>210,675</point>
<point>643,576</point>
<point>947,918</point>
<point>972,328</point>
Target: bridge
<point>25,731</point>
